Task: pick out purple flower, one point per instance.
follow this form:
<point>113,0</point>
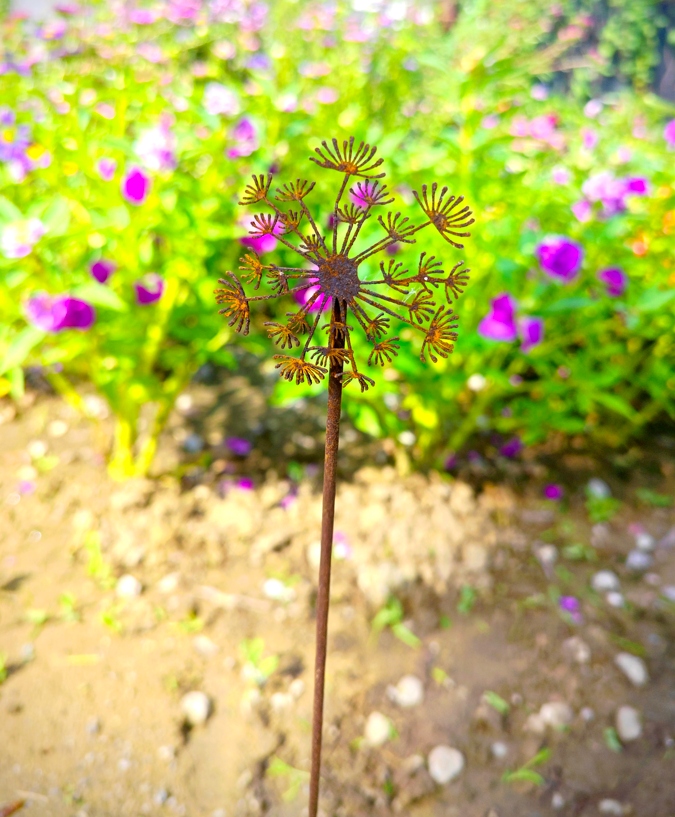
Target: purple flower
<point>142,17</point>
<point>615,280</point>
<point>570,604</point>
<point>102,269</point>
<point>326,95</point>
<point>135,186</point>
<point>554,492</point>
<point>290,499</point>
<point>583,210</point>
<point>669,133</point>
<point>511,448</point>
<point>450,462</point>
<point>26,486</point>
<point>539,92</point>
<point>561,175</point>
<point>490,121</point>
<point>218,99</point>
<point>592,108</point>
<point>239,446</point>
<point>637,185</point>
<point>60,312</point>
<point>156,148</point>
<point>589,138</point>
<point>106,168</point>
<point>7,116</point>
<point>266,243</point>
<point>149,289</point>
<point>245,137</point>
<point>19,237</point>
<point>499,324</point>
<point>531,330</point>
<point>152,52</point>
<point>560,258</point>
<point>305,295</point>
<point>52,30</point>
<point>244,484</point>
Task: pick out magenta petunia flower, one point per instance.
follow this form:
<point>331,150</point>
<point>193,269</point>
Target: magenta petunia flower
<point>669,133</point>
<point>637,185</point>
<point>19,237</point>
<point>450,462</point>
<point>589,138</point>
<point>490,121</point>
<point>53,314</point>
<point>106,168</point>
<point>531,330</point>
<point>218,99</point>
<point>102,269</point>
<point>615,280</point>
<point>322,303</point>
<point>569,604</point>
<point>143,17</point>
<point>511,448</point>
<point>245,138</point>
<point>239,446</point>
<point>136,186</point>
<point>561,175</point>
<point>263,244</point>
<point>554,492</point>
<point>149,289</point>
<point>583,210</point>
<point>560,258</point>
<point>500,324</point>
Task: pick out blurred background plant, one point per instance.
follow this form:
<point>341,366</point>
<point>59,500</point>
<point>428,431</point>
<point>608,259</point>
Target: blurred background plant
<point>128,133</point>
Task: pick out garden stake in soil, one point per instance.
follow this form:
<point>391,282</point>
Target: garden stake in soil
<point>332,275</point>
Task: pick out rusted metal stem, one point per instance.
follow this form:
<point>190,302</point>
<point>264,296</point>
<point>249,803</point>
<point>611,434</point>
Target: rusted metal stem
<point>327,520</point>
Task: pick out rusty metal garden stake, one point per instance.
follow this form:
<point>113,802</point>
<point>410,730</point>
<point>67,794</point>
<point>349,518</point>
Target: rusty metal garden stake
<point>332,277</point>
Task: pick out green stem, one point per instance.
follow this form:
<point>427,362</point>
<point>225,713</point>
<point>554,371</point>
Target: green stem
<point>121,465</point>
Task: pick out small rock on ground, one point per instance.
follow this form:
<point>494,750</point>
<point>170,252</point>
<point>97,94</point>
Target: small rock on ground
<point>628,723</point>
<point>408,692</point>
<point>575,649</point>
<point>196,707</point>
<point>633,668</point>
<point>378,729</point>
<point>128,587</point>
<point>605,580</point>
<point>609,806</point>
<point>445,764</point>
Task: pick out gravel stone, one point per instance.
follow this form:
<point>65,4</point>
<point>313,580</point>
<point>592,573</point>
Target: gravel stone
<point>445,764</point>
<point>587,714</point>
<point>499,750</point>
<point>196,707</point>
<point>128,587</point>
<point>276,590</point>
<point>378,729</point>
<point>633,668</point>
<point>608,806</point>
<point>557,801</point>
<point>169,584</point>
<point>605,580</point>
<point>628,724</point>
<point>575,649</point>
<point>638,561</point>
<point>408,692</point>
<point>556,714</point>
<point>645,541</point>
<point>615,599</point>
<point>161,796</point>
<point>204,646</point>
<point>598,488</point>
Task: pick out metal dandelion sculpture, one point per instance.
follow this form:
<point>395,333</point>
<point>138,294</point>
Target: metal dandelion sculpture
<point>330,269</point>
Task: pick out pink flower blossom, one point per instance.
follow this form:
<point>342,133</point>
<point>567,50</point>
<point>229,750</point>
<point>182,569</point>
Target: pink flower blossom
<point>156,148</point>
<point>106,168</point>
<point>583,210</point>
<point>615,280</point>
<point>54,314</point>
<point>561,175</point>
<point>531,330</point>
<point>135,186</point>
<point>669,133</point>
<point>327,96</point>
<point>245,137</point>
<point>143,17</point>
<point>106,110</point>
<point>218,99</point>
<point>589,138</point>
<point>149,289</point>
<point>500,324</point>
<point>102,269</point>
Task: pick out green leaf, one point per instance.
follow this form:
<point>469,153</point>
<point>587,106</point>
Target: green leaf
<point>496,702</point>
<point>567,305</point>
<point>9,211</point>
<point>654,298</point>
<point>612,739</point>
<point>365,418</point>
<point>20,347</point>
<point>405,635</point>
<point>56,217</point>
<point>615,403</point>
<point>523,776</point>
<point>653,498</point>
<point>100,295</point>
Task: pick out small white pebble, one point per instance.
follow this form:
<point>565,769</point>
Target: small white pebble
<point>166,753</point>
<point>196,707</point>
<point>668,592</point>
<point>608,806</point>
<point>598,488</point>
<point>408,692</point>
<point>281,701</point>
<point>587,714</point>
<point>628,724</point>
<point>204,646</point>
<point>276,590</point>
<point>169,584</point>
<point>184,402</point>
<point>605,580</point>
<point>36,449</point>
<point>645,541</point>
<point>556,714</point>
<point>378,729</point>
<point>615,599</point>
<point>633,668</point>
<point>445,764</point>
<point>57,428</point>
<point>638,560</point>
<point>499,750</point>
<point>557,801</point>
<point>296,688</point>
<point>128,587</point>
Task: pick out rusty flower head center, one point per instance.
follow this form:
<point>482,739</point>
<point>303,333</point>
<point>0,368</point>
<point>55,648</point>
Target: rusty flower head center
<point>338,277</point>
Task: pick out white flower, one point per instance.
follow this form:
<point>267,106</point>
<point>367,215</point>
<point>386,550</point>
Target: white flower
<point>19,237</point>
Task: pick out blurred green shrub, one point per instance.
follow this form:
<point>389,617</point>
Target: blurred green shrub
<point>126,142</point>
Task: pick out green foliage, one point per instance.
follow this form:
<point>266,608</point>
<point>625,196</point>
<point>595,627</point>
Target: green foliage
<point>392,615</point>
<point>467,599</point>
<point>3,667</point>
<point>602,508</point>
<point>654,499</point>
<point>97,567</point>
<point>258,666</point>
<point>612,740</point>
<point>496,702</point>
<point>526,773</point>
<point>603,370</point>
<point>296,778</point>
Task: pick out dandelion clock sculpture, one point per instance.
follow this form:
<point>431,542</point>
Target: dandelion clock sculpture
<point>330,272</point>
